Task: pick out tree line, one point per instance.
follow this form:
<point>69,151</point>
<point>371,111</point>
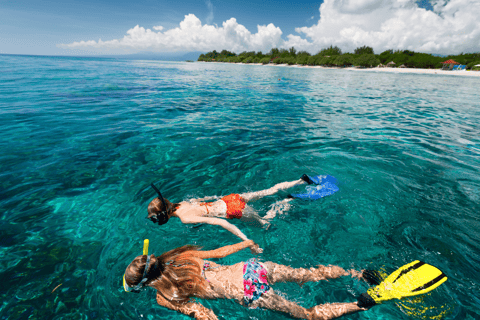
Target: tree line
<point>333,57</point>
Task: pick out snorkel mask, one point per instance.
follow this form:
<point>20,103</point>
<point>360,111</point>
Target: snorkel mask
<point>139,286</point>
<point>161,217</point>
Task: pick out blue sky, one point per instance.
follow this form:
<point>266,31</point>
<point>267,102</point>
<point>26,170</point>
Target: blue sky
<point>74,27</point>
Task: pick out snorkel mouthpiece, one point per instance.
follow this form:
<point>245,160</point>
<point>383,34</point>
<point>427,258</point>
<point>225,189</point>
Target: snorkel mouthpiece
<point>139,286</point>
<point>161,217</point>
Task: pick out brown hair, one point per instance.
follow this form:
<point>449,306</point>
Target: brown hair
<point>175,274</point>
<point>156,206</point>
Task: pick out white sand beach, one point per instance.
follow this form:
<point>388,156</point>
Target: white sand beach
<point>424,71</point>
<point>467,73</point>
<point>394,70</point>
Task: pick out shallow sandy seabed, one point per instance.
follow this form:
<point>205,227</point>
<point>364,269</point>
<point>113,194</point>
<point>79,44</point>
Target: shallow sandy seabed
<point>395,70</point>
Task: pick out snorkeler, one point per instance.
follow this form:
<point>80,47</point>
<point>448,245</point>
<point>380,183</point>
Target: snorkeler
<point>233,206</point>
<point>183,273</point>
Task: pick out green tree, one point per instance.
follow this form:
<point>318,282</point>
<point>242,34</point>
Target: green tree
<point>303,60</point>
<point>367,61</point>
<point>290,60</point>
<point>284,53</point>
<point>311,61</point>
<point>330,51</point>
<point>292,51</point>
<point>345,60</point>
<point>226,53</point>
<point>363,50</point>
<point>265,60</point>
<point>303,53</point>
<point>274,52</point>
<point>471,65</point>
<point>326,61</point>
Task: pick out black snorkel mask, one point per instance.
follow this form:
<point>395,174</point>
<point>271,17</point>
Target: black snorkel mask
<point>162,216</point>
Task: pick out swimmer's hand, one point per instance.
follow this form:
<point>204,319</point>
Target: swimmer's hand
<point>255,248</point>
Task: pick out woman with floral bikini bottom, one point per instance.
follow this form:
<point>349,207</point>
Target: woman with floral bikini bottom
<point>184,273</point>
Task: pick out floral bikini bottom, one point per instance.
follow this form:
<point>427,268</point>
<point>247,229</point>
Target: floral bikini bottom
<point>255,282</point>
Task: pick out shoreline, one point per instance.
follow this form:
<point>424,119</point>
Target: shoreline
<point>376,69</point>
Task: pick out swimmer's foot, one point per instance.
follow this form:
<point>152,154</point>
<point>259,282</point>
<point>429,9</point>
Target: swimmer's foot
<point>372,277</point>
<point>332,310</point>
<point>305,178</point>
<point>365,301</point>
<point>320,179</point>
<point>266,226</point>
<point>265,223</point>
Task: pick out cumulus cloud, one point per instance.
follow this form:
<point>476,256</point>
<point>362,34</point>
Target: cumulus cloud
<point>191,35</point>
<point>451,27</point>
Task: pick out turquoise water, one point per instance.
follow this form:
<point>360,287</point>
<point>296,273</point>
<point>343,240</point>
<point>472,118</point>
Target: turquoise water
<point>83,138</point>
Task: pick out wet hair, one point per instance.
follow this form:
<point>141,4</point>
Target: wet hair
<point>157,212</point>
<point>175,274</point>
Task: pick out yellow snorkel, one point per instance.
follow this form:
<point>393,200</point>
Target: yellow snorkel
<point>146,242</point>
<point>126,287</point>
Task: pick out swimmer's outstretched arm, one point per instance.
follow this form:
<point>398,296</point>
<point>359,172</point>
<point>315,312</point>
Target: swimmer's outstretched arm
<point>267,192</point>
<point>217,222</point>
<point>189,308</point>
<point>224,224</point>
<point>224,251</point>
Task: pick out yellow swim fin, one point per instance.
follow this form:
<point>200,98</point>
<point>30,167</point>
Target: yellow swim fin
<point>412,279</point>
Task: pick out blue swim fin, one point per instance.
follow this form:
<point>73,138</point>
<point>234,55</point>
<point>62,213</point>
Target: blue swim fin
<point>317,192</point>
<point>321,179</point>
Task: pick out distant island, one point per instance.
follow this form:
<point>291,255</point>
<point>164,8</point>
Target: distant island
<point>332,56</point>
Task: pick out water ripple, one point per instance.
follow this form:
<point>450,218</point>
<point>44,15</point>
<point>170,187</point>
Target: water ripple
<point>83,138</point>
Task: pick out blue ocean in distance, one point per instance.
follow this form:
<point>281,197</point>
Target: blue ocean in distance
<point>81,140</point>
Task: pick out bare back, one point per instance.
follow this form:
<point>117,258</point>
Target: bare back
<point>224,282</point>
<point>188,210</point>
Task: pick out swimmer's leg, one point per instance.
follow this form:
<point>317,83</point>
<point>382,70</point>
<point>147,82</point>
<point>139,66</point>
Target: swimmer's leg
<point>280,273</point>
<point>270,300</point>
<point>333,310</point>
<point>279,186</point>
<point>249,214</point>
<point>278,207</point>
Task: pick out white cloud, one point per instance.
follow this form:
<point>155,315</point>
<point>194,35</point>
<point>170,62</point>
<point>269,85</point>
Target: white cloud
<point>452,27</point>
<point>191,35</point>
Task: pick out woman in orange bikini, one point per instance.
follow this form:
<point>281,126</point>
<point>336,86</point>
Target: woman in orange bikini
<point>233,206</point>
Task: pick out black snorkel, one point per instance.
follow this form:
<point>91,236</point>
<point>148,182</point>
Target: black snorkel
<point>162,216</point>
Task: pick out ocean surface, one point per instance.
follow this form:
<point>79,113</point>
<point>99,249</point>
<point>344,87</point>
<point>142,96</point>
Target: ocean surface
<point>81,140</point>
